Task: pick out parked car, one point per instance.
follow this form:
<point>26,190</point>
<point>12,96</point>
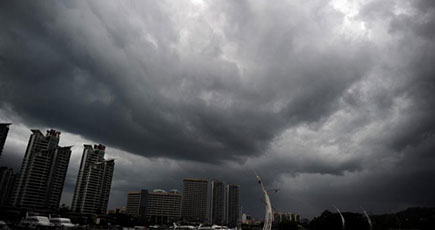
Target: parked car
<point>63,223</point>
<point>36,222</point>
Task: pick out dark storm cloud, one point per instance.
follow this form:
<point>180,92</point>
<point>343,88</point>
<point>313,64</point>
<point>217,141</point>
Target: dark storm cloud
<point>330,101</point>
<point>422,25</point>
<point>88,73</point>
<point>414,77</point>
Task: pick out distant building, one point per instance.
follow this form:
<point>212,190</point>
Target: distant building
<point>158,207</point>
<point>163,207</point>
<point>91,194</point>
<point>40,182</point>
<point>279,217</point>
<point>117,210</point>
<point>7,179</point>
<point>297,218</point>
<point>194,206</point>
<point>233,205</point>
<point>136,202</point>
<point>217,203</point>
<point>4,129</point>
<point>249,220</point>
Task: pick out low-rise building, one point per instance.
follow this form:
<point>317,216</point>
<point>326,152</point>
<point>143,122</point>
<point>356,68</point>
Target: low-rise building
<point>136,202</point>
<point>163,207</point>
<point>285,216</point>
<point>158,206</point>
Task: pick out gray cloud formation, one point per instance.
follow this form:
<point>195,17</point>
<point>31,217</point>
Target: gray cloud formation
<point>142,95</point>
<point>328,98</point>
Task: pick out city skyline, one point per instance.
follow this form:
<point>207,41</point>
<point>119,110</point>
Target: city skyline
<point>331,102</point>
<point>93,156</point>
<point>286,209</point>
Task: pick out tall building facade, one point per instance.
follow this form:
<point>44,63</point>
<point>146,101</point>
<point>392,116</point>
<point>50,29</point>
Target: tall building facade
<point>194,206</point>
<point>163,207</point>
<point>233,205</point>
<point>40,182</point>
<point>7,179</point>
<point>4,129</point>
<point>136,202</point>
<point>91,194</point>
<point>217,203</point>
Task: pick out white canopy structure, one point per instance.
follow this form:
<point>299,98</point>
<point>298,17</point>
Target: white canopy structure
<point>343,223</point>
<point>268,219</point>
<point>369,221</point>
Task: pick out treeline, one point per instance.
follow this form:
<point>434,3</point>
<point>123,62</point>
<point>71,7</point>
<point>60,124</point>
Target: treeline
<point>411,218</point>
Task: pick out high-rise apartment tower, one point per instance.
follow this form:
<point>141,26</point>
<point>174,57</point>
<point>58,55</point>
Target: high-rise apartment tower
<point>7,179</point>
<point>4,129</point>
<point>40,182</point>
<point>233,205</point>
<point>91,194</point>
<point>217,203</point>
<point>194,205</point>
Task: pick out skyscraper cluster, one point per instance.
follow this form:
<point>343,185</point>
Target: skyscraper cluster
<point>161,207</point>
<point>39,184</point>
<point>224,204</point>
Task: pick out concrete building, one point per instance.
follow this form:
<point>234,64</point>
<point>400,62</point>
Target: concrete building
<point>279,217</point>
<point>194,206</point>
<point>249,220</point>
<point>217,203</point>
<point>118,210</point>
<point>94,180</point>
<point>4,129</point>
<point>163,207</point>
<point>40,182</point>
<point>7,179</point>
<point>158,207</point>
<point>136,202</point>
<point>233,205</point>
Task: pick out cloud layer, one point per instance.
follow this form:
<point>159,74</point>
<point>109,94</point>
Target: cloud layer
<point>331,101</point>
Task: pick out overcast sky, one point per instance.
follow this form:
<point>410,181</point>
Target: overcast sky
<point>330,101</point>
